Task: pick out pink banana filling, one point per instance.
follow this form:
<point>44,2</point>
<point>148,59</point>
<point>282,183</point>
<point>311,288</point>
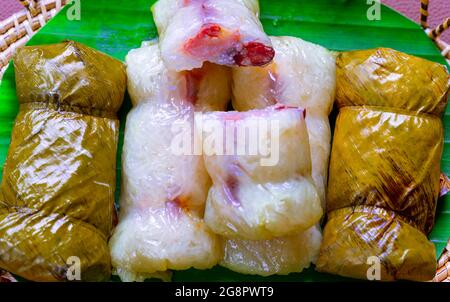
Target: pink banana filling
<point>213,39</point>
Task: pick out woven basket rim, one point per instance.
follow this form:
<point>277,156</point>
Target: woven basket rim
<point>17,29</point>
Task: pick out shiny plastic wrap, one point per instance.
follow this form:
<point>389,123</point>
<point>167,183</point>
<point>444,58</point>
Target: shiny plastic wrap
<point>302,74</point>
<point>225,32</point>
<point>164,190</point>
<point>207,88</point>
<point>269,193</point>
<point>385,165</point>
<point>162,199</point>
<point>57,192</point>
<point>278,256</point>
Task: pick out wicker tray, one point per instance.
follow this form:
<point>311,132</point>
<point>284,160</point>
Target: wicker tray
<point>19,28</point>
<point>443,272</point>
<point>435,33</point>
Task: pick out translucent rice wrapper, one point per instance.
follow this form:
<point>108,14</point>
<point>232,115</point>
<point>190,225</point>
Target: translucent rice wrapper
<point>225,32</point>
<point>302,74</point>
<point>253,199</point>
<point>164,191</point>
<point>278,256</point>
<point>207,88</point>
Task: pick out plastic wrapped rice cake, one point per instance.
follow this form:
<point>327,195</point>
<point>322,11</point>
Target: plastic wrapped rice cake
<point>225,32</point>
<point>163,192</point>
<point>385,165</point>
<point>301,74</point>
<point>57,191</point>
<point>207,88</point>
<point>252,203</point>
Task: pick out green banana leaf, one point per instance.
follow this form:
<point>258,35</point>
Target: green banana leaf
<point>116,26</point>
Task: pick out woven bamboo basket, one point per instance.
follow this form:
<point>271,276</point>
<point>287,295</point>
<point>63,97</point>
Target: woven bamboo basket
<point>435,33</point>
<point>443,270</point>
<point>20,27</point>
<point>443,274</point>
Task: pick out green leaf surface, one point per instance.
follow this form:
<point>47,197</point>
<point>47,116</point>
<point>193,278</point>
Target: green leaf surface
<point>116,26</point>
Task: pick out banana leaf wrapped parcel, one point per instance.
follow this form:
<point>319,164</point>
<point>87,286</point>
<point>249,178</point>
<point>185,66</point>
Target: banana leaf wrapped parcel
<point>57,190</point>
<point>385,165</point>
